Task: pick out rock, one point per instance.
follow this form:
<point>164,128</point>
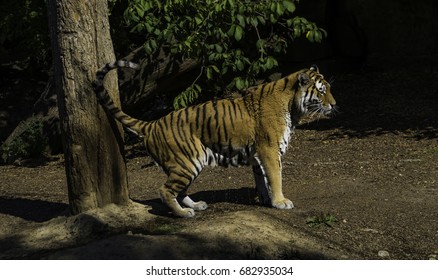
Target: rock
<point>383,254</point>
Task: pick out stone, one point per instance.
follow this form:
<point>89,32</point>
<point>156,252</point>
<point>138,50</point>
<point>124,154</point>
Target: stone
<point>383,254</point>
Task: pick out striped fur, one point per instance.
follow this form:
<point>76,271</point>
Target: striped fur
<point>250,130</point>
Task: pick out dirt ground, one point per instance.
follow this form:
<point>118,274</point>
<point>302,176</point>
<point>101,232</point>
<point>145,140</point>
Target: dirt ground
<point>364,185</point>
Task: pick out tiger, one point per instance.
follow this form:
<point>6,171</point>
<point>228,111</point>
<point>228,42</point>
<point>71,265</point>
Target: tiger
<point>253,129</point>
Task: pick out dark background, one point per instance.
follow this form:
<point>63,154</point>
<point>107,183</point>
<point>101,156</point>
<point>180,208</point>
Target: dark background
<point>381,35</point>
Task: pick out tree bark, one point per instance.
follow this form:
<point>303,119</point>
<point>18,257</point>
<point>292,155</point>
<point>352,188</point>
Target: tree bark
<point>92,141</point>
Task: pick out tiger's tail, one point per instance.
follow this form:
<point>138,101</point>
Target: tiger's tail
<point>135,125</point>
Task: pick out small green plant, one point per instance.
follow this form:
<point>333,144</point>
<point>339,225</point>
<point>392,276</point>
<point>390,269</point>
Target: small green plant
<point>318,220</point>
<point>30,144</point>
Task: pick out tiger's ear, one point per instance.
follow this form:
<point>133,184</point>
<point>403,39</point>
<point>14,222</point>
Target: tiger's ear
<point>303,79</point>
<point>314,68</point>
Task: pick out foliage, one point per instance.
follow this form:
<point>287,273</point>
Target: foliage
<point>236,41</point>
<point>31,143</point>
<point>326,220</point>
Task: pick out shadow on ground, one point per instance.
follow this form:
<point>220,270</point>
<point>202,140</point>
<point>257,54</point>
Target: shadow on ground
<point>32,210</point>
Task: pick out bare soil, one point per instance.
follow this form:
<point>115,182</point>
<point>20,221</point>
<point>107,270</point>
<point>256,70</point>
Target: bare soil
<point>373,170</point>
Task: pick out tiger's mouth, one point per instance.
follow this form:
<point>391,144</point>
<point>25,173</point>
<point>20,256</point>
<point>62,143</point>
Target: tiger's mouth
<point>330,110</point>
<point>319,110</point>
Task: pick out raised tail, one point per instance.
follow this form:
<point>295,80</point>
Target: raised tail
<point>107,102</point>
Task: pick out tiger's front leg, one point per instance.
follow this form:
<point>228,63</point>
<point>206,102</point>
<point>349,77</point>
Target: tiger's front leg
<point>270,163</point>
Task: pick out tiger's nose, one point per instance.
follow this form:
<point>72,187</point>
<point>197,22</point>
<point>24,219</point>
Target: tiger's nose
<point>329,109</point>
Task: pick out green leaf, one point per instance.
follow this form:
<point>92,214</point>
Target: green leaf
<point>218,48</point>
<point>260,44</point>
<point>273,18</point>
<point>289,5</point>
<point>310,36</point>
<point>148,27</point>
<point>240,83</point>
<point>270,62</point>
<point>240,65</point>
<point>140,11</point>
<point>273,7</point>
<point>198,20</point>
<point>261,20</point>
<point>238,33</point>
<point>241,20</point>
<point>318,36</point>
<point>224,70</point>
<point>148,48</point>
<point>297,32</point>
<point>279,9</point>
<point>254,21</point>
<point>215,68</point>
<point>153,44</point>
<point>198,87</point>
<point>209,73</point>
<point>232,30</point>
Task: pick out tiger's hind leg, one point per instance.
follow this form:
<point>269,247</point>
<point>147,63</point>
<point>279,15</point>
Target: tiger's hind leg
<point>168,194</point>
<point>175,187</point>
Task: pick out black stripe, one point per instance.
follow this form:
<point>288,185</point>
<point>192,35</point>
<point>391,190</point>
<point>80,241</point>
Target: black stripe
<point>178,134</point>
<point>178,184</point>
<point>198,113</point>
<point>233,114</point>
<point>209,128</point>
<point>252,99</point>
<point>188,177</point>
<point>216,117</point>
<point>286,81</point>
<point>204,122</point>
<point>165,142</point>
<point>272,87</point>
<point>261,96</point>
<point>240,110</point>
<point>224,124</point>
<point>190,154</point>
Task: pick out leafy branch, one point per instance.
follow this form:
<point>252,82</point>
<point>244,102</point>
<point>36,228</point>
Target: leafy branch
<point>237,40</point>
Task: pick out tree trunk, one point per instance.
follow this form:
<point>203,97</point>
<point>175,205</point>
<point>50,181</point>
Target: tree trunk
<point>92,141</point>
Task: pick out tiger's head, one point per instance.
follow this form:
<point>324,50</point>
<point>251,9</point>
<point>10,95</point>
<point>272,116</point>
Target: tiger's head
<point>314,95</point>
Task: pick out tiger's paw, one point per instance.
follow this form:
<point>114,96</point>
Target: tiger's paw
<point>185,213</point>
<point>283,204</point>
<point>197,206</point>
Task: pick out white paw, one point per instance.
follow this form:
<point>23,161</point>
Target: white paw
<point>200,206</point>
<point>283,204</point>
<point>186,213</point>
